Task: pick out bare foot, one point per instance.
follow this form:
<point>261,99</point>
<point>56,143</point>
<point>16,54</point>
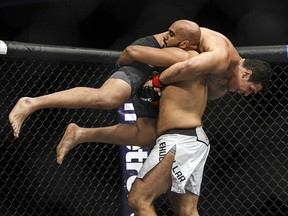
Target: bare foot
<point>68,142</point>
<point>19,113</point>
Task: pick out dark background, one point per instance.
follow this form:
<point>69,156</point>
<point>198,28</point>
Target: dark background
<point>247,164</point>
<point>113,24</point>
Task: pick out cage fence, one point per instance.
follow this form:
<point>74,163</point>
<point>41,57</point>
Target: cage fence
<point>246,172</point>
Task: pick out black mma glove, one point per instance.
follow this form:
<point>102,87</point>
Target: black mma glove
<point>147,93</point>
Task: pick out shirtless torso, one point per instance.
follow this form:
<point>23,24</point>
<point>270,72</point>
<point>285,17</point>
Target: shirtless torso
<point>182,105</point>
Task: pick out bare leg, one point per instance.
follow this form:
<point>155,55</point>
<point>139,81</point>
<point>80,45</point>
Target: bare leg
<point>184,204</point>
<point>140,134</point>
<point>145,191</point>
<point>112,94</point>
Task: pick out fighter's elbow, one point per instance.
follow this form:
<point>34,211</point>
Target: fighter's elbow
<point>129,51</point>
<point>127,56</point>
<point>134,51</point>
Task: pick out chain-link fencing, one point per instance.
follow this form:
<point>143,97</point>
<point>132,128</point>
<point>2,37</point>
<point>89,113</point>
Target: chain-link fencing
<point>246,172</point>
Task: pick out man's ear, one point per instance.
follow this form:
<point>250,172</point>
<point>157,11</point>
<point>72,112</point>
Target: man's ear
<point>247,74</point>
<point>184,44</point>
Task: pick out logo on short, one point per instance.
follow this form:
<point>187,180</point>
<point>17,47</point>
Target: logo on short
<point>162,150</point>
<point>178,174</point>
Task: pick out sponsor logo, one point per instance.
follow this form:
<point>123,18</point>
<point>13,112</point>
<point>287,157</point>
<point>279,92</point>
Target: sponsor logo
<point>162,150</point>
<point>134,158</point>
<point>177,172</point>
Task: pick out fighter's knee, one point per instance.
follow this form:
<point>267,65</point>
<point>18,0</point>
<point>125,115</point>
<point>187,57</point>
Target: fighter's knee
<point>138,203</point>
<point>135,201</point>
<point>147,141</point>
<point>136,198</point>
<point>146,135</point>
<point>132,201</point>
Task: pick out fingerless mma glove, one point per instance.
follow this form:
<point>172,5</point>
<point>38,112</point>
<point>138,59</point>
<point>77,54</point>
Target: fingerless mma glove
<point>147,93</point>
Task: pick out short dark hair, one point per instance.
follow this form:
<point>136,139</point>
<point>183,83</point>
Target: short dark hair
<point>261,71</point>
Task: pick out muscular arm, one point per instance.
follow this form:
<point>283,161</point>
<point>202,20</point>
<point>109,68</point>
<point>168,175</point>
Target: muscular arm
<point>214,62</point>
<point>164,57</point>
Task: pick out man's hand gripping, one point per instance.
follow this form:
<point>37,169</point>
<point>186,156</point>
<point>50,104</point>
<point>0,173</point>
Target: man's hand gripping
<point>151,90</point>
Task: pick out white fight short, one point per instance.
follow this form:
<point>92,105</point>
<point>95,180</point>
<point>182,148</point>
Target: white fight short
<point>191,148</point>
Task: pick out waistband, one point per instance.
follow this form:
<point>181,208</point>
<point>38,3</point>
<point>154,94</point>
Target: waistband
<point>182,131</point>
